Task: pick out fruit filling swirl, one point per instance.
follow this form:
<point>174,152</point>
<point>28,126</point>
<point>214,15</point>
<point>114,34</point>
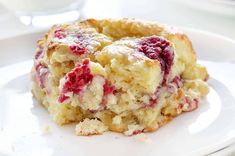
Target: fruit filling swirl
<point>108,89</point>
<point>40,68</point>
<point>158,48</point>
<point>188,104</point>
<point>171,88</point>
<point>79,78</point>
<point>41,74</point>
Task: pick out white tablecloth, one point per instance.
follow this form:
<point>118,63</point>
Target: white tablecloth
<point>171,12</point>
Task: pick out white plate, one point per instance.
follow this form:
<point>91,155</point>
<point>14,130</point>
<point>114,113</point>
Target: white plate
<point>208,129</point>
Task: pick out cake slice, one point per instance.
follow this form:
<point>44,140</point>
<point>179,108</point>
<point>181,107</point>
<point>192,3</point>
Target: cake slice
<point>125,75</point>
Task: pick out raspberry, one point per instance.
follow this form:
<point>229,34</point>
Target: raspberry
<point>157,48</point>
<point>76,80</point>
<point>77,49</point>
<point>60,34</point>
<point>108,89</point>
<point>62,98</point>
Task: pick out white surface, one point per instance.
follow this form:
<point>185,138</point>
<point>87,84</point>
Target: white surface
<point>32,6</point>
<point>208,129</point>
<point>174,12</point>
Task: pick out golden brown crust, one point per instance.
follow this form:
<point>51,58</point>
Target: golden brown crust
<point>166,120</point>
<point>118,28</point>
<point>131,27</point>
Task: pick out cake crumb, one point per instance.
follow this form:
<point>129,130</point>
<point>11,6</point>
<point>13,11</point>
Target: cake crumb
<point>45,130</point>
<point>142,138</point>
<point>90,127</point>
<point>134,130</point>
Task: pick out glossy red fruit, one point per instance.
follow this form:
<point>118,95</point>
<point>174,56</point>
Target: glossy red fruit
<point>157,48</point>
<point>76,79</point>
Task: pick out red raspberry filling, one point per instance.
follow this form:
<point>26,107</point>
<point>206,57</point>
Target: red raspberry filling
<point>192,104</point>
<point>158,48</point>
<point>39,54</point>
<point>152,103</point>
<point>153,99</point>
<point>60,34</point>
<point>77,49</point>
<point>76,80</point>
<point>136,132</point>
<point>41,73</point>
<point>108,89</point>
<point>40,68</point>
<point>174,84</point>
<point>177,81</point>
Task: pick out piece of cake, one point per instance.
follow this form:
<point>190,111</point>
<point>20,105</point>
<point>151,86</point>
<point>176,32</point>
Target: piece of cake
<point>126,75</point>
